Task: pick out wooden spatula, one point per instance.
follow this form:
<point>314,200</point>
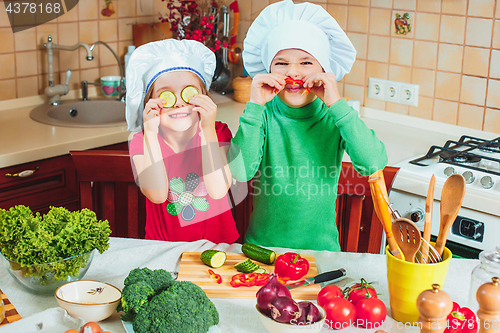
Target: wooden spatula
<point>428,219</point>
<point>407,236</point>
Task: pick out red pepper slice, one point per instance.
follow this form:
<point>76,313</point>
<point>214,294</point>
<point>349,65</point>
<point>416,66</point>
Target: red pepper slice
<point>249,279</point>
<point>291,266</point>
<point>293,82</point>
<point>213,275</point>
<point>461,320</point>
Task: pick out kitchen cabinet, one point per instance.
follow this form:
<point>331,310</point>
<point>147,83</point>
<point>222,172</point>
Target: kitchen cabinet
<point>43,183</point>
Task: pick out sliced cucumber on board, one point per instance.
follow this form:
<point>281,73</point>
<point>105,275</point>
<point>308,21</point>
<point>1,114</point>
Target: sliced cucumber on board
<point>246,266</point>
<point>259,253</point>
<point>213,258</point>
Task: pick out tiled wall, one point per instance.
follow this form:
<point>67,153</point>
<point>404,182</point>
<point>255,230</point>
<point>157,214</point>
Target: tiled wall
<point>452,53</point>
<point>23,59</point>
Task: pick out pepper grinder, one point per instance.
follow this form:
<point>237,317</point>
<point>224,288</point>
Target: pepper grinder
<point>434,305</point>
<point>488,297</point>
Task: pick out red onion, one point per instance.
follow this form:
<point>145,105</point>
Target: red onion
<point>309,313</point>
<point>269,292</point>
<point>285,310</point>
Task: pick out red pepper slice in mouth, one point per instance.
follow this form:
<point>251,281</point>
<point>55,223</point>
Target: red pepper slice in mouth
<point>294,82</point>
<point>216,276</point>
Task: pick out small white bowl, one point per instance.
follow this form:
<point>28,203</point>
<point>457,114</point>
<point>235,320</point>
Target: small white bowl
<point>90,300</point>
<point>272,326</point>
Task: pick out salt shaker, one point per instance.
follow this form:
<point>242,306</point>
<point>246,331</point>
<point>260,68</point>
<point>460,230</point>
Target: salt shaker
<point>487,269</point>
<point>488,297</point>
<point>434,305</point>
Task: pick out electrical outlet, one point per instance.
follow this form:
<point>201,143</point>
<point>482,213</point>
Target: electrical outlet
<point>393,91</point>
<point>376,89</point>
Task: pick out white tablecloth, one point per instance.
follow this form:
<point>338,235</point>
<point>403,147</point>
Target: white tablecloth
<point>236,315</point>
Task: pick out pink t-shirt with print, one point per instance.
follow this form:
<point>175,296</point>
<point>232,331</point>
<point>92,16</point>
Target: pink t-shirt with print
<point>189,213</point>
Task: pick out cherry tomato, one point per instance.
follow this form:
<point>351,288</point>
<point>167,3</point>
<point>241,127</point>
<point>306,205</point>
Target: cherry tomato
<point>72,331</point>
<point>340,313</point>
<point>361,290</point>
<point>93,326</point>
<point>328,293</point>
<point>371,312</point>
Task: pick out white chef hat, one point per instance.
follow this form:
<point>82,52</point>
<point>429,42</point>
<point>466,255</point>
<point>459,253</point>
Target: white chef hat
<point>151,60</point>
<point>305,26</point>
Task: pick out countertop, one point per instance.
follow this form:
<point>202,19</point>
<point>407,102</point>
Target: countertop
<point>24,140</point>
<point>237,315</point>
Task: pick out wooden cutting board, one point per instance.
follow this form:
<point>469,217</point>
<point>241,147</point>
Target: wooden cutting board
<point>11,314</point>
<point>192,269</point>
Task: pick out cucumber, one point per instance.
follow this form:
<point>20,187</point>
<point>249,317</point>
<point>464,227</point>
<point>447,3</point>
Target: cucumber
<point>258,253</point>
<point>213,258</point>
<point>260,270</point>
<point>246,266</point>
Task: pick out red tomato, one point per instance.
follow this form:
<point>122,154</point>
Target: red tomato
<point>361,290</point>
<point>371,312</point>
<point>328,293</point>
<point>340,313</point>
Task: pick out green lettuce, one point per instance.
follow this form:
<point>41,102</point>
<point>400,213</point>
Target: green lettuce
<point>29,239</point>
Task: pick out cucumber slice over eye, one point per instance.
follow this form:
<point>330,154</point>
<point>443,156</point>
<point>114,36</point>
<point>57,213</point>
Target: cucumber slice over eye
<point>188,92</point>
<point>169,98</point>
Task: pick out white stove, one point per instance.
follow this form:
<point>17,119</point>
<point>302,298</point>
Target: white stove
<point>477,226</point>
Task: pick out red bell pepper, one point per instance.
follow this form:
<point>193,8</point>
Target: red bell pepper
<point>291,266</point>
<point>293,82</point>
<point>216,276</point>
<point>461,320</point>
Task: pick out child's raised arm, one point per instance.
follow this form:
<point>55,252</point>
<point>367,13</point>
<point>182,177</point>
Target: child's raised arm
<point>216,173</point>
<point>151,174</point>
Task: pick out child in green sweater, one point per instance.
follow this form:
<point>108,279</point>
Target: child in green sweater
<point>296,128</point>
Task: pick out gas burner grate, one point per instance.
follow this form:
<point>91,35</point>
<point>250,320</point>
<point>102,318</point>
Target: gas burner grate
<point>462,153</point>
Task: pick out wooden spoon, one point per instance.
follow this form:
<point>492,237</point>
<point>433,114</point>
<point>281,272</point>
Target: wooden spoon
<point>428,219</point>
<point>452,197</point>
<point>407,236</point>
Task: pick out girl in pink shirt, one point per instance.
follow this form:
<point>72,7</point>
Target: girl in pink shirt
<point>178,150</point>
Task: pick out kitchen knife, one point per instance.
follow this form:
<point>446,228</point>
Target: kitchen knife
<point>323,277</point>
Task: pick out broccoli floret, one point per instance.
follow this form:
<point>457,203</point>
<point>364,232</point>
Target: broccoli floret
<point>135,296</point>
<point>137,274</point>
<point>159,279</point>
<point>182,308</point>
<point>156,303</point>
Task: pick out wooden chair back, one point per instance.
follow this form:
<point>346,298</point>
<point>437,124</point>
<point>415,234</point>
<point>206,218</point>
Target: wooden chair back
<point>360,230</point>
<point>107,186</point>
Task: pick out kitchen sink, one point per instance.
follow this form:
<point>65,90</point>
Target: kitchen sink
<point>78,113</point>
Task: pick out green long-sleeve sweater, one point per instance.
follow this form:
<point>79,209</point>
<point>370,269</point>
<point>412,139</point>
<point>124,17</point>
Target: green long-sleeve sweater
<point>295,158</point>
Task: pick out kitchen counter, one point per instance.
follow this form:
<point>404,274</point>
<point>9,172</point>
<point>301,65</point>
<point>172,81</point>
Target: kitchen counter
<point>24,140</point>
<point>237,315</point>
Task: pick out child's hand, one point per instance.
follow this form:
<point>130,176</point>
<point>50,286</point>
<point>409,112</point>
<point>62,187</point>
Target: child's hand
<point>151,115</point>
<point>207,110</point>
<point>323,85</point>
<point>265,87</point>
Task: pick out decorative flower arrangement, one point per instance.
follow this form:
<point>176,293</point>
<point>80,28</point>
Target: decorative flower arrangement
<point>190,20</point>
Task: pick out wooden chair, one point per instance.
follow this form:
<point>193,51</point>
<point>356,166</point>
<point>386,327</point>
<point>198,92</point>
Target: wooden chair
<point>359,227</point>
<point>107,186</point>
<point>360,230</point>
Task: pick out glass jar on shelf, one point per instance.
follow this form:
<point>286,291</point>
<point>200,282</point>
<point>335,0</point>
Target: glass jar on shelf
<point>488,268</point>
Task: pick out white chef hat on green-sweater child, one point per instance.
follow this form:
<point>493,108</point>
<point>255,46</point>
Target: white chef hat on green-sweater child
<point>285,25</point>
<point>151,60</point>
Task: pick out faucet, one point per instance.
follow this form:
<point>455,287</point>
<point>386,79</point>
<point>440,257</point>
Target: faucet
<point>121,97</point>
<point>54,92</point>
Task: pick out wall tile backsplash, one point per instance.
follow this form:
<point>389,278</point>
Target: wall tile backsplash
<point>452,52</point>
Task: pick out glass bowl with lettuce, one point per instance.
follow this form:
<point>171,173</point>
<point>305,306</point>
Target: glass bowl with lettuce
<point>43,252</point>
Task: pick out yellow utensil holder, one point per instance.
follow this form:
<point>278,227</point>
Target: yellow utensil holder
<point>407,280</point>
